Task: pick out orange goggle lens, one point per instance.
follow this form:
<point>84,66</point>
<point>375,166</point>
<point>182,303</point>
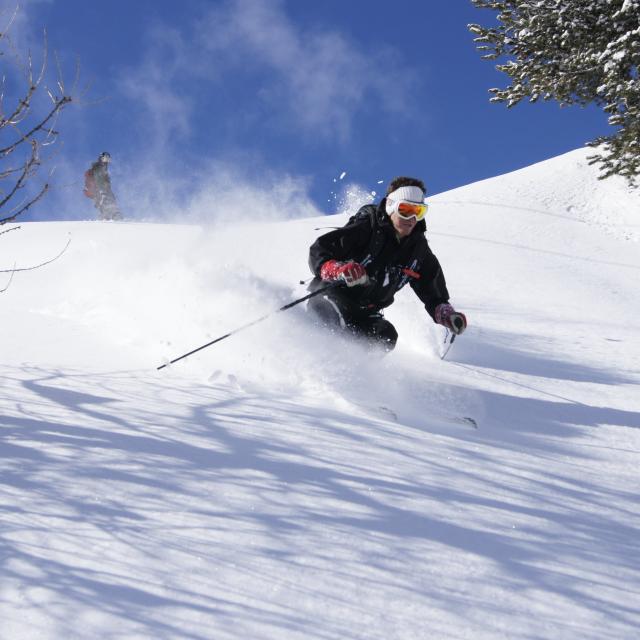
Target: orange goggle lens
<point>410,209</point>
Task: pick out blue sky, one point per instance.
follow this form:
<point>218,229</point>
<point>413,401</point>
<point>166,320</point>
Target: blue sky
<point>259,93</point>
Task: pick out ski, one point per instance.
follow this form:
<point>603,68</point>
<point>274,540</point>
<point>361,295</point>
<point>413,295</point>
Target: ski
<point>386,413</point>
<point>464,421</point>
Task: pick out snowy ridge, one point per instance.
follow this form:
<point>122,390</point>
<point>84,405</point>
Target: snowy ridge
<point>563,187</point>
<point>257,490</point>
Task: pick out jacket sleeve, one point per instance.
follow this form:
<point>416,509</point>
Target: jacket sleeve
<point>346,243</point>
<point>431,288</point>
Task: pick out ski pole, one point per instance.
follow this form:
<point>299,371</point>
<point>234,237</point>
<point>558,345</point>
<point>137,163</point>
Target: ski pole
<point>250,324</point>
<point>459,326</point>
<point>446,350</point>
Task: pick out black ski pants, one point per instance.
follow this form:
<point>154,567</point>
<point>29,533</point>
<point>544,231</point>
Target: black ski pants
<point>373,327</point>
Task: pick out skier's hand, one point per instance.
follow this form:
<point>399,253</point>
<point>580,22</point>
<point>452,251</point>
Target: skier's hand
<point>458,322</point>
<point>352,273</point>
<point>447,316</point>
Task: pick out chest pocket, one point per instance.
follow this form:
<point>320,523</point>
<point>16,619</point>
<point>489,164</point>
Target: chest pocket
<point>395,277</point>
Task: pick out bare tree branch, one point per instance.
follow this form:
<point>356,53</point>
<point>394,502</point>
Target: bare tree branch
<point>9,230</point>
<point>30,127</point>
<point>24,137</point>
<point>10,280</point>
<point>24,207</point>
<point>37,266</point>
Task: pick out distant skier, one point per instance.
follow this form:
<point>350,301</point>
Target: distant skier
<point>97,186</point>
<point>381,249</point>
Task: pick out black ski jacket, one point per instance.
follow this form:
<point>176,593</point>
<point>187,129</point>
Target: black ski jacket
<point>102,179</point>
<point>370,239</point>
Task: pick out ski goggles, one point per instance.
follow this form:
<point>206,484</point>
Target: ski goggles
<point>408,210</point>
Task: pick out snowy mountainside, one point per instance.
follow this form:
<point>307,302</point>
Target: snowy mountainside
<point>285,483</point>
<point>563,187</point>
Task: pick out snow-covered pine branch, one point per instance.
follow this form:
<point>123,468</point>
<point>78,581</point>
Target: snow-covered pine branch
<point>574,52</point>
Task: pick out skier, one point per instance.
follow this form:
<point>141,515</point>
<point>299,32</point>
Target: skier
<point>380,250</point>
<point>97,186</point>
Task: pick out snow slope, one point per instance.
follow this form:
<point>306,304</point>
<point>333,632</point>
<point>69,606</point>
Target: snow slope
<point>257,490</point>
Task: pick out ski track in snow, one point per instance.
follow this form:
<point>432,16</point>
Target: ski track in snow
<point>289,484</point>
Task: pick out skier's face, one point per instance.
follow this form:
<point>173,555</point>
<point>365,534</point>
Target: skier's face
<point>403,226</point>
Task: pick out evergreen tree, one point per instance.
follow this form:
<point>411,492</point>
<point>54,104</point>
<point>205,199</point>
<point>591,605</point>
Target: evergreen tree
<point>574,52</point>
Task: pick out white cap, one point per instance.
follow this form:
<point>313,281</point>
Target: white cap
<point>411,194</point>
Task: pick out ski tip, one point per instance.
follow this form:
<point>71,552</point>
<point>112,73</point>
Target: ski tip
<point>470,421</point>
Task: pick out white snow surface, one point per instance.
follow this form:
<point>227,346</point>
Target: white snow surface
<point>259,489</point>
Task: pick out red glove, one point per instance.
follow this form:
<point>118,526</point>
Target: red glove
<point>447,316</point>
<point>353,273</point>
